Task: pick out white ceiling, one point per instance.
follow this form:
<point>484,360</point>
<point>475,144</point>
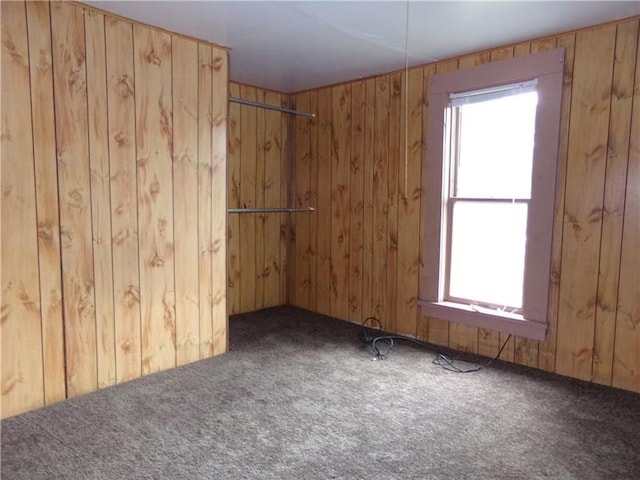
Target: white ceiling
<point>297,45</point>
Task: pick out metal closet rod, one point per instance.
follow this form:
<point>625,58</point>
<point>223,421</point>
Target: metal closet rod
<point>251,103</point>
<point>270,210</point>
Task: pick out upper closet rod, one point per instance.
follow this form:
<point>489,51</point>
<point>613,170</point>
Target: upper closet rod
<point>270,210</point>
<point>251,103</point>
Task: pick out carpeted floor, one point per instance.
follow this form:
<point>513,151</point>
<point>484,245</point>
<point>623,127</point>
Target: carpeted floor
<point>299,397</point>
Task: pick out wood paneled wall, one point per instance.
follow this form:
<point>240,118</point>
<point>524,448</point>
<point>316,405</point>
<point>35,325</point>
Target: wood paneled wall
<point>114,145</point>
<point>360,164</point>
<point>257,177</point>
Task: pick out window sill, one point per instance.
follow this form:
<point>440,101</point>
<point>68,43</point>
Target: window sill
<point>504,322</point>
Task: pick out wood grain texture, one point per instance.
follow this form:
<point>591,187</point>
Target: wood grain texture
<point>74,183</point>
<point>46,172</point>
<point>589,124</point>
<point>356,201</point>
<point>124,197</point>
<point>152,62</point>
<point>285,199</point>
<point>340,166</point>
<point>422,324</point>
<point>97,115</point>
<point>409,203</point>
<point>205,204</point>
<point>289,174</point>
<point>184,83</point>
<point>394,144</point>
<point>313,202</point>
<point>220,65</point>
<point>614,200</point>
<point>20,321</point>
<point>367,207</point>
<point>260,218</point>
<point>258,242</point>
<point>380,202</point>
<point>300,293</point>
<point>323,215</point>
<point>248,163</point>
<point>273,184</point>
<point>233,201</point>
<point>286,163</point>
<point>257,172</point>
<point>626,357</point>
<point>89,135</point>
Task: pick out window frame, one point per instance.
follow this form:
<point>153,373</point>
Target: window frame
<point>548,68</point>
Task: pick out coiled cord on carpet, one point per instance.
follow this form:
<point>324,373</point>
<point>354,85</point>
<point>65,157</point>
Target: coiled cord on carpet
<point>382,345</point>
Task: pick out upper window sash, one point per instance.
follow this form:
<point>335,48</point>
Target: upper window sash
<point>492,93</point>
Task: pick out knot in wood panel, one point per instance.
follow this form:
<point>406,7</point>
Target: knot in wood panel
<point>44,61</point>
<point>154,187</point>
<point>217,63</point>
<point>130,297</point>
<point>66,238</point>
<point>151,57</point>
<point>217,244</point>
<point>77,81</point>
<point>157,261</point>
<point>45,231</point>
<point>125,346</point>
<point>162,226</point>
<point>120,237</point>
<point>120,138</point>
<point>75,198</point>
<point>124,86</point>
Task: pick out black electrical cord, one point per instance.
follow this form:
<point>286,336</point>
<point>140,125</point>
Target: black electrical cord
<point>382,345</point>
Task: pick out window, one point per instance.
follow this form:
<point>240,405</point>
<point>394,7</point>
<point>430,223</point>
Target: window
<point>489,188</point>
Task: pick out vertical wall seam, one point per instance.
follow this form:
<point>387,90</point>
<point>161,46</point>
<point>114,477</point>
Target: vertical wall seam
<point>35,195</point>
<point>62,294</point>
<point>88,165</point>
<point>108,144</point>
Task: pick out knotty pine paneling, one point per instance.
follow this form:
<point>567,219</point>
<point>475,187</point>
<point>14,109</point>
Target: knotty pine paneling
<point>258,176</point>
<point>78,279</point>
<point>21,322</point>
<point>100,197</point>
<point>114,140</point>
<point>322,216</point>
<point>594,314</point>
<point>340,167</point>
<point>626,354</point>
<point>217,61</point>
<point>356,200</point>
<point>586,171</point>
<point>44,157</point>
<point>124,202</point>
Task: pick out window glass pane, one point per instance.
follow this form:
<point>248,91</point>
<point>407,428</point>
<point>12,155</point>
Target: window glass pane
<point>495,147</point>
<point>487,252</point>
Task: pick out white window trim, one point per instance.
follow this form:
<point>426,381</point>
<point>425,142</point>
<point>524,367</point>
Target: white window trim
<point>547,67</point>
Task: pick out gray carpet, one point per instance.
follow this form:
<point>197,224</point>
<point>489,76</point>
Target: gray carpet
<point>299,397</point>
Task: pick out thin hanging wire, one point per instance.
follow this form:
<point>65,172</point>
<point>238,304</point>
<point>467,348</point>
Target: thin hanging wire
<point>406,105</point>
